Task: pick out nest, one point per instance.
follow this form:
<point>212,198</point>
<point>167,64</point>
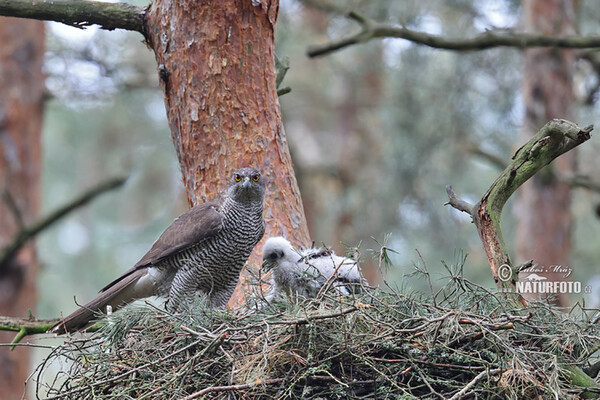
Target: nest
<point>464,342</point>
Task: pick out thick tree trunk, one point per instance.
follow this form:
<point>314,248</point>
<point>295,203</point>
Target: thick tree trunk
<point>543,208</point>
<point>215,61</point>
<point>21,105</point>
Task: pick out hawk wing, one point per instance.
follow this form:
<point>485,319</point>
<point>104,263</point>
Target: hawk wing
<point>190,228</point>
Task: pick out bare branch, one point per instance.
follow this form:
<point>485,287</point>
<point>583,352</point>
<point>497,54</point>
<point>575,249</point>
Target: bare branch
<point>555,138</point>
<point>283,90</point>
<point>282,65</point>
<point>232,388</point>
<point>581,181</point>
<point>127,373</point>
<point>457,203</point>
<point>486,155</point>
<point>464,390</point>
<point>78,13</point>
<point>372,30</point>
<point>13,207</point>
<point>27,233</point>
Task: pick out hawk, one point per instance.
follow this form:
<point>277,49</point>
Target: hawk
<point>203,250</point>
<point>304,272</point>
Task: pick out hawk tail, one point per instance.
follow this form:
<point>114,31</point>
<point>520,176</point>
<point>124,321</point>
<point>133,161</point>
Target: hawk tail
<point>122,292</point>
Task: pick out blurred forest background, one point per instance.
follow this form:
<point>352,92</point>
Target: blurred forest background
<point>376,132</point>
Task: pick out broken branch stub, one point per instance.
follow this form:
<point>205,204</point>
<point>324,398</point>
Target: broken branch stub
<point>553,139</point>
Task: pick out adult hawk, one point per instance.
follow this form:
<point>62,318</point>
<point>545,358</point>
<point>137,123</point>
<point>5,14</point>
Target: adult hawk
<point>203,250</point>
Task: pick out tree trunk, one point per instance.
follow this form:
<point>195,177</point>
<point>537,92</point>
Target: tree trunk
<point>21,106</point>
<point>216,66</point>
<point>543,208</point>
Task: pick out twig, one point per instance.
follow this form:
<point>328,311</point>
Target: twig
<point>469,385</point>
<point>425,271</point>
<point>131,371</point>
<point>307,320</point>
<point>373,30</point>
<point>457,203</point>
<point>27,233</point>
<point>495,160</point>
<point>231,388</point>
<point>14,208</point>
<point>329,280</point>
<point>492,326</point>
<point>282,65</point>
<point>580,181</point>
<point>78,13</point>
<point>283,90</point>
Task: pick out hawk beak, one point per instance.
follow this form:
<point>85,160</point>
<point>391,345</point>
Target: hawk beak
<point>246,183</point>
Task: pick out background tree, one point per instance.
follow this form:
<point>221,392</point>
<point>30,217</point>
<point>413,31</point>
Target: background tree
<point>21,109</point>
<point>544,203</point>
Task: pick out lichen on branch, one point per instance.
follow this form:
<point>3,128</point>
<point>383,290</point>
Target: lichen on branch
<point>78,13</point>
<point>553,139</point>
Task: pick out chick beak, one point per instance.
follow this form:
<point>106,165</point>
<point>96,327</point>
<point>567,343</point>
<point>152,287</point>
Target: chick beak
<point>266,266</point>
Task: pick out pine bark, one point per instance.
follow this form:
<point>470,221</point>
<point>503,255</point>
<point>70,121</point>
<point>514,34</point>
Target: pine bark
<point>216,66</point>
<point>21,106</point>
<point>543,208</point>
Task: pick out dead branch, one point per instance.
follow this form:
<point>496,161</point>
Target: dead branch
<point>231,388</point>
<point>29,232</point>
<point>457,203</point>
<point>555,138</point>
<point>468,386</point>
<point>373,30</point>
<point>580,181</point>
<point>128,373</point>
<point>78,13</point>
<point>309,319</point>
<point>282,65</point>
<point>493,159</point>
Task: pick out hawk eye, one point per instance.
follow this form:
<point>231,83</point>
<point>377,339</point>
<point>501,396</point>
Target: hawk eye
<point>255,178</point>
<point>237,177</point>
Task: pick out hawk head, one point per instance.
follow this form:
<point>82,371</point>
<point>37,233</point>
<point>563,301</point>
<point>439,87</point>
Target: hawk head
<point>246,185</point>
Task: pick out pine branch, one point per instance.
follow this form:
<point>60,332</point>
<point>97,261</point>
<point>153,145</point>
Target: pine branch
<point>27,233</point>
<point>24,327</point>
<point>78,13</point>
<point>373,30</point>
<point>555,138</point>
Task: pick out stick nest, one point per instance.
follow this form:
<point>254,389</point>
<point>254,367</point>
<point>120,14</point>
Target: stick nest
<point>464,342</point>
